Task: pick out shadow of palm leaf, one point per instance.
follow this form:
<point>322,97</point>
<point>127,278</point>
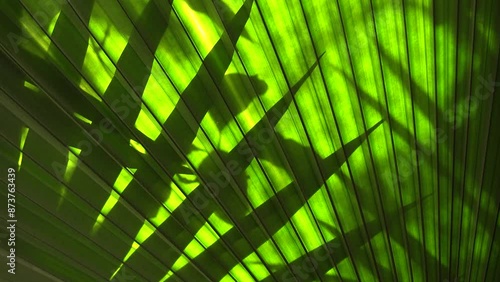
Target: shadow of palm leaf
<point>134,68</point>
<point>271,220</point>
<point>46,110</point>
<point>180,128</point>
<point>195,214</point>
<point>304,265</point>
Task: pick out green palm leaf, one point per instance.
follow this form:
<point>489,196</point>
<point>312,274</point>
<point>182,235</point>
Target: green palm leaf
<point>226,140</point>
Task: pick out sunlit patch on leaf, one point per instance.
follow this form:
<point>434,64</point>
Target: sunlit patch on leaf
<point>31,86</point>
<point>71,165</point>
<point>82,118</point>
<point>122,181</point>
<point>24,136</point>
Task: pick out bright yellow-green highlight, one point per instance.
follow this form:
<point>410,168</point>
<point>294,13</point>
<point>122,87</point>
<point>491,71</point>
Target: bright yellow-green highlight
<point>52,24</point>
<point>136,145</point>
<point>121,183</point>
<point>24,135</point>
<point>31,86</point>
<point>73,154</point>
<point>82,118</point>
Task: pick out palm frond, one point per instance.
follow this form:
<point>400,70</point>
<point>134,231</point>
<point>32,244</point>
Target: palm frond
<point>249,140</point>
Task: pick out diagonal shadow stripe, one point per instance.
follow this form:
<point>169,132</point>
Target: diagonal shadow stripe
<point>152,25</point>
